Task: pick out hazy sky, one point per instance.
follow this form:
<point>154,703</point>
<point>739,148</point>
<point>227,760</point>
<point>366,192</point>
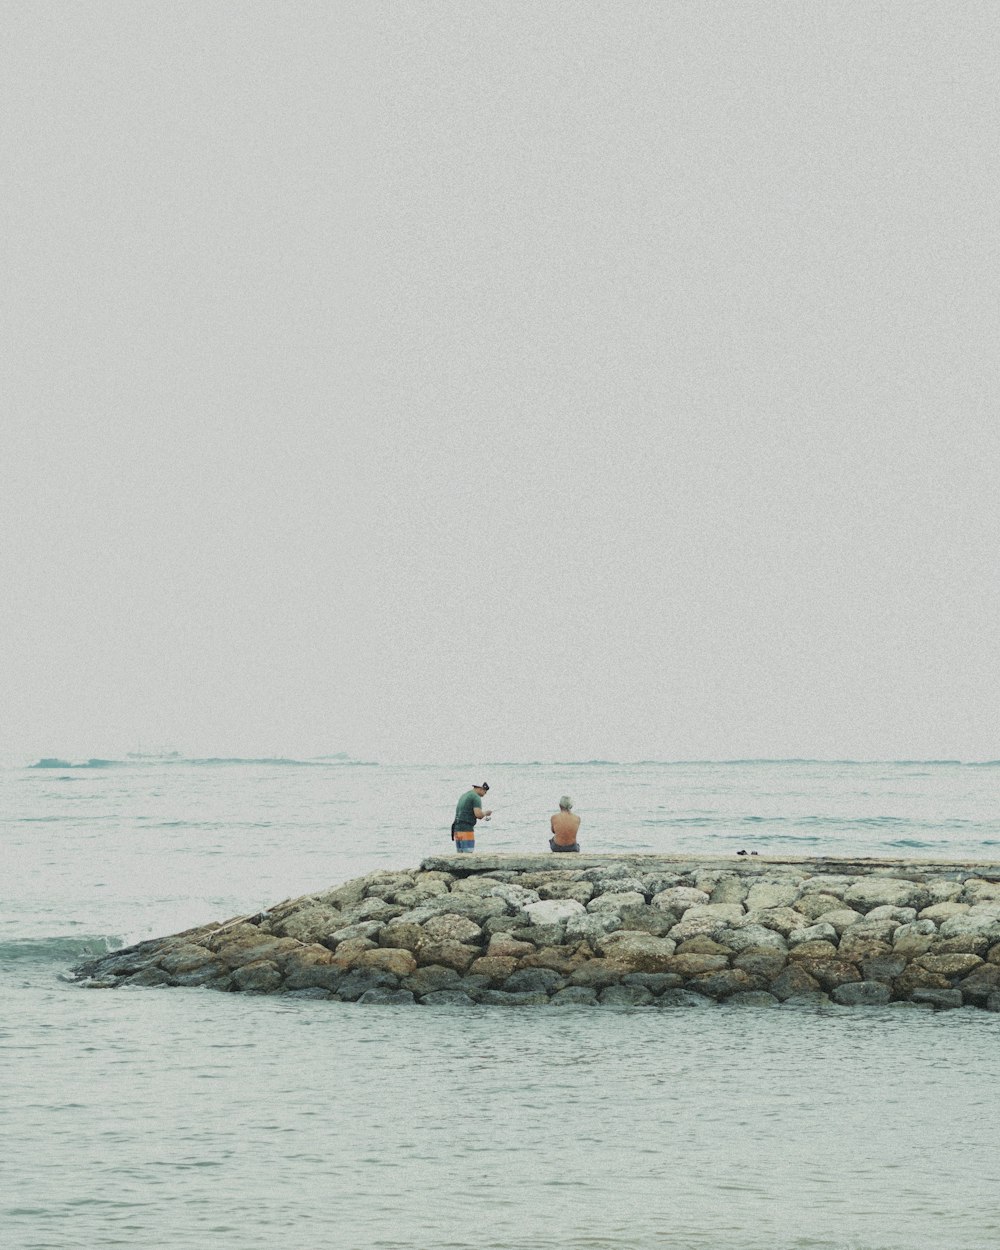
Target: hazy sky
<point>460,381</point>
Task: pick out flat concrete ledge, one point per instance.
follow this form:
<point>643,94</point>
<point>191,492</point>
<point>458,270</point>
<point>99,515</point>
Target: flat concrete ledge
<point>742,865</point>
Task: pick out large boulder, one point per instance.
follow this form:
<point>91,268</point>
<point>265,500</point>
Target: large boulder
<point>869,892</point>
<point>554,911</point>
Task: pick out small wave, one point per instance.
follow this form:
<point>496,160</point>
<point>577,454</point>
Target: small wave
<point>56,762</point>
<point>57,949</point>
<point>140,761</point>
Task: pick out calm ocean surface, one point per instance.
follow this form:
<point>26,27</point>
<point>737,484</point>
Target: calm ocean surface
<point>186,1118</point>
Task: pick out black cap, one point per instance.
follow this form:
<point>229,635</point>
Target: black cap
<point>483,785</point>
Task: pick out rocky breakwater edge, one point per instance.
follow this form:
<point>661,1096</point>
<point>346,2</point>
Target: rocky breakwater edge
<point>613,931</point>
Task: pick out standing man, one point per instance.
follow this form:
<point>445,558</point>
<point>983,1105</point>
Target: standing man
<point>565,825</point>
<point>469,810</point>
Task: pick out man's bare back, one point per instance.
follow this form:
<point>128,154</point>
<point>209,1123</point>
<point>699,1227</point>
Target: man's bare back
<point>565,826</point>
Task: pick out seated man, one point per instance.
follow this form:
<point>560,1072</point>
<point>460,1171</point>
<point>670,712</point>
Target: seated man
<point>565,824</point>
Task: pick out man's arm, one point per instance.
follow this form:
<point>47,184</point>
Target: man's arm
<point>480,814</point>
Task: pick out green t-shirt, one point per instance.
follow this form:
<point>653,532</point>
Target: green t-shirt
<point>465,816</point>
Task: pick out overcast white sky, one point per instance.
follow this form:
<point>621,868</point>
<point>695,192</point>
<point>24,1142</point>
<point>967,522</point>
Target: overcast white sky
<point>459,381</point>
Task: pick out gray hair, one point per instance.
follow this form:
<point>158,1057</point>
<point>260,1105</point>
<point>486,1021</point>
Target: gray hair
<point>566,803</point>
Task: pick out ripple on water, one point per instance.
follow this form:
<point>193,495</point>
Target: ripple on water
<point>406,1127</point>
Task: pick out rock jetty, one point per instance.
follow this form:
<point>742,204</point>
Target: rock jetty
<point>609,930</point>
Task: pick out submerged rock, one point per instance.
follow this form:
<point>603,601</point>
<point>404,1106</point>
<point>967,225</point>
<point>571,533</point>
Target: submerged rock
<point>637,931</point>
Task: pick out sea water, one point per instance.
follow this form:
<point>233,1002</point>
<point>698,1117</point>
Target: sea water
<point>187,1118</point>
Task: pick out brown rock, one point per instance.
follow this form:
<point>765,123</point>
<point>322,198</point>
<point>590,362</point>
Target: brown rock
<point>402,935</point>
<point>309,924</point>
<point>993,956</point>
<point>448,954</point>
<point>721,984</point>
<point>963,944</point>
<point>702,946</point>
<point>694,965</point>
<point>502,944</point>
<point>913,945</point>
<point>793,982</point>
<point>762,965</point>
<point>641,952</point>
<point>883,968</point>
<point>980,984</point>
<point>830,972</point>
<point>917,978</point>
<point>452,928</point>
<point>856,949</point>
<point>245,950</point>
<point>562,959</point>
<point>186,958</point>
<point>949,965</point>
<point>497,968</point>
<point>241,932</point>
<point>260,977</point>
<point>597,972</point>
<point>812,950</point>
<point>348,952</point>
<point>389,959</point>
<point>311,967</point>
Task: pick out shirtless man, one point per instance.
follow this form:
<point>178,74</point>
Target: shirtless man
<point>565,824</point>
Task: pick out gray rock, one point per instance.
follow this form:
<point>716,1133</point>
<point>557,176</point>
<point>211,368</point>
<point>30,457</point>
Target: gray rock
<point>682,998</point>
<point>679,898</point>
<point>656,982</point>
<point>448,998</point>
<point>532,980</point>
<point>554,911</point>
<point>543,934</point>
<point>729,890</point>
<point>590,927</point>
<point>314,992</point>
<point>869,892</point>
<point>615,902</point>
<point>387,998</point>
<point>259,977</point>
<point>645,919</point>
<point>752,998</point>
<point>309,924</point>
<point>882,968</point>
<point>574,996</point>
<point>841,919</point>
<point>430,979</point>
<point>625,996</point>
<point>764,895</point>
<point>623,885</point>
<point>783,920</point>
<point>827,883</point>
<point>814,933</point>
<point>501,998</point>
<point>369,929</point>
<point>982,924</point>
<point>940,1000</point>
<point>214,974</point>
<point>751,937</point>
<point>358,981</point>
<point>901,915</point>
<point>862,994</point>
<point>452,927</point>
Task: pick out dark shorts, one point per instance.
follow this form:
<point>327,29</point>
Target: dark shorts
<point>554,846</point>
<point>464,845</point>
